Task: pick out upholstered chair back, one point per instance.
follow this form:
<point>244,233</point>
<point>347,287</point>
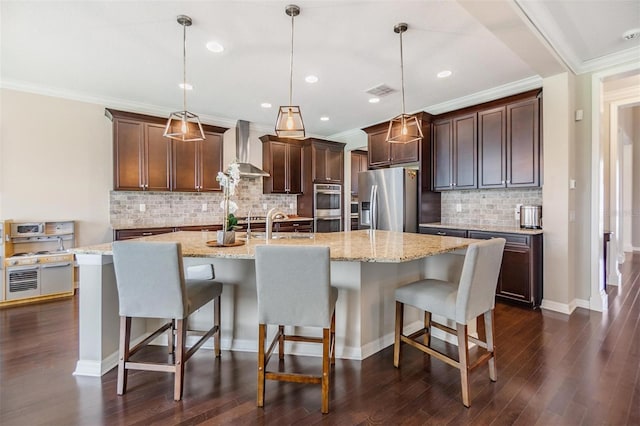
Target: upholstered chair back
<point>150,279</point>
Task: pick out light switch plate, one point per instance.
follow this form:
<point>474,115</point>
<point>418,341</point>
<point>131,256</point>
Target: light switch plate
<point>143,207</point>
<point>204,207</point>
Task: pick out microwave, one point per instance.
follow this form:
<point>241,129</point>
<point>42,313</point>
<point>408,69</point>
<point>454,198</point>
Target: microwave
<point>30,229</point>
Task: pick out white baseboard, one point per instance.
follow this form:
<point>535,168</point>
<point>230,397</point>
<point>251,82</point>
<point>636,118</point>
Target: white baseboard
<point>565,308</point>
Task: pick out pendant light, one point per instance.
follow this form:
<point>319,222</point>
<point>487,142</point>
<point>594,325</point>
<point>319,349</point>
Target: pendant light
<point>403,128</point>
<point>289,122</point>
<point>184,125</point>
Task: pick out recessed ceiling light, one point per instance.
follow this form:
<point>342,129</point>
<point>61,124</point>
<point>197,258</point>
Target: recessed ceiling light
<point>311,79</point>
<point>374,100</point>
<point>215,47</point>
<point>324,118</point>
<point>631,34</point>
<point>444,74</point>
<point>186,86</point>
<point>265,105</point>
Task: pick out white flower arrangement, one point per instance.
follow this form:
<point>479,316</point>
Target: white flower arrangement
<point>228,181</point>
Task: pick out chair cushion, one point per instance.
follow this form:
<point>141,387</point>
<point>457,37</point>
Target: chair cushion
<point>435,296</point>
<point>200,292</point>
<point>200,272</point>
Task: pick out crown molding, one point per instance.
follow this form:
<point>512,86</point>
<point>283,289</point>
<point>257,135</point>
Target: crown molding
<point>486,95</point>
<point>631,55</point>
<point>107,102</point>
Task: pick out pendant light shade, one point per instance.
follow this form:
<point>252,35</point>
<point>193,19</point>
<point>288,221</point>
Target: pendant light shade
<point>289,123</point>
<point>404,128</point>
<point>184,125</point>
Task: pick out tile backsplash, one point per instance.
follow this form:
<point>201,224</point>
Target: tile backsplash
<point>185,208</point>
<point>487,206</point>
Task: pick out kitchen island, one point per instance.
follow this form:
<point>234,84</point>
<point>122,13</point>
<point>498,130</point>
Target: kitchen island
<point>366,267</point>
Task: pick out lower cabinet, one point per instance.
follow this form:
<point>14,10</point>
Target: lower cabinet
<point>520,279</point>
<point>301,226</point>
<point>127,234</point>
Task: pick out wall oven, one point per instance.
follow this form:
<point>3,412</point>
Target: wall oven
<point>327,207</point>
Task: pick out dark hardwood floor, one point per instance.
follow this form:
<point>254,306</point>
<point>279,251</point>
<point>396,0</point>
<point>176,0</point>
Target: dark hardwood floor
<point>582,369</point>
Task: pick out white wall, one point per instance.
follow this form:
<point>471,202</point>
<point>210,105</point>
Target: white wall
<point>56,163</point>
<point>635,189</point>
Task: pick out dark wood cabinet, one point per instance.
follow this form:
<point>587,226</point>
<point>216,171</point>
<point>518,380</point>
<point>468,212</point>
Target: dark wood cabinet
<point>293,226</point>
<point>196,164</point>
<point>282,158</point>
<point>203,228</point>
<point>127,234</point>
<point>455,153</point>
<point>384,154</point>
<point>327,161</point>
<point>520,277</point>
<point>509,145</point>
<point>141,155</point>
<point>359,163</point>
<point>144,160</point>
<point>444,232</point>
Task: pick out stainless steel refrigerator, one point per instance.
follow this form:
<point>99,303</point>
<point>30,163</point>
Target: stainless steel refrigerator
<point>388,199</point>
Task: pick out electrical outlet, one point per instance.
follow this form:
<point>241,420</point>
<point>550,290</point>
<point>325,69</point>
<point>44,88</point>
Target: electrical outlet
<point>204,207</point>
<point>517,212</point>
<point>143,207</point>
<point>264,206</point>
<point>292,206</point>
<point>458,207</point>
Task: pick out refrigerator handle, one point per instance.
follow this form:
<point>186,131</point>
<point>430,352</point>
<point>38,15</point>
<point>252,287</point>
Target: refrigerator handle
<point>374,206</point>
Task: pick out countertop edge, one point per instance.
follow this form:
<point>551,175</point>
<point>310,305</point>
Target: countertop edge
<point>485,228</point>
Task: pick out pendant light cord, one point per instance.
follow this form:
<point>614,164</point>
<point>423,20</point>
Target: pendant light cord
<point>184,67</point>
<point>291,65</point>
<point>402,72</point>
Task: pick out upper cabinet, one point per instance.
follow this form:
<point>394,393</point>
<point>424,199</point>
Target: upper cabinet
<point>196,164</point>
<point>359,163</point>
<point>144,160</point>
<point>384,154</point>
<point>455,152</point>
<point>327,161</point>
<point>282,159</point>
<point>493,145</point>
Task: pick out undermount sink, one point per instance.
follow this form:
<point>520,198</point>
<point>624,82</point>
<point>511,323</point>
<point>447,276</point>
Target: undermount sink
<point>283,235</point>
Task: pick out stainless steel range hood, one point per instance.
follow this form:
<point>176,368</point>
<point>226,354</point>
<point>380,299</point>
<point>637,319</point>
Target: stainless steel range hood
<point>247,169</point>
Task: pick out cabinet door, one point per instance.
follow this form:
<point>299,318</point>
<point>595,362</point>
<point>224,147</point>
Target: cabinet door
<point>210,161</point>
<point>334,165</point>
<point>294,169</point>
<point>158,158</point>
<point>523,144</point>
<point>320,158</point>
<point>406,152</point>
<point>379,149</point>
<point>442,155</point>
<point>443,232</point>
<point>278,170</point>
<point>128,155</point>
<point>359,164</point>
<point>464,152</point>
<point>492,145</point>
<point>185,166</point>
<point>515,276</point>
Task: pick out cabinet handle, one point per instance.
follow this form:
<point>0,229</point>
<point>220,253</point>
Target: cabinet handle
<point>144,234</point>
<point>454,184</point>
<point>503,182</point>
<point>508,181</point>
<point>441,233</point>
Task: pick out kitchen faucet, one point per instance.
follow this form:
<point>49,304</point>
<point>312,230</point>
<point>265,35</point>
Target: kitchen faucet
<point>269,224</point>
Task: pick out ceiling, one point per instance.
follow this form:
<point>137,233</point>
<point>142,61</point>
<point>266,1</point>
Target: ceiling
<point>128,54</point>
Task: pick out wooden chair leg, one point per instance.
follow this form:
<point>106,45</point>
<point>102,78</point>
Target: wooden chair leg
<point>333,338</point>
<point>326,342</point>
<point>181,334</point>
<point>123,354</point>
<point>281,342</point>
<point>216,323</point>
<point>427,327</point>
<point>399,326</point>
<point>170,337</point>
<point>463,352</point>
<point>262,331</point>
<point>490,331</point>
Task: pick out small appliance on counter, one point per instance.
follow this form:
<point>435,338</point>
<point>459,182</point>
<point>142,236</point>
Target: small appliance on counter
<point>531,217</point>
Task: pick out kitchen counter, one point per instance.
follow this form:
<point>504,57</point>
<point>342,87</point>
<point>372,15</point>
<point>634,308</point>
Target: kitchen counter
<point>173,224</point>
<point>366,268</point>
<point>354,246</point>
<point>488,228</point>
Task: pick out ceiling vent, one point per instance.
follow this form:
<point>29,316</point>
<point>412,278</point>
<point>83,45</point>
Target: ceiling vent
<point>380,90</point>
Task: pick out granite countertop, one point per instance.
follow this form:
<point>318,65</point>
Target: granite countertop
<point>489,228</point>
<point>169,224</point>
<point>356,246</point>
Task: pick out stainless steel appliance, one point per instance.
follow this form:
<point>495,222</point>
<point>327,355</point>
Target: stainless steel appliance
<point>327,207</point>
<point>389,199</point>
<point>354,210</point>
<point>531,217</point>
